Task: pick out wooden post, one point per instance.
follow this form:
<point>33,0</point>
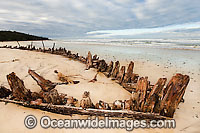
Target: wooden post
<point>43,46</point>
<point>173,93</point>
<point>53,48</point>
<point>120,75</point>
<point>115,69</point>
<point>18,43</point>
<point>31,45</point>
<point>128,75</point>
<point>18,89</point>
<point>89,61</point>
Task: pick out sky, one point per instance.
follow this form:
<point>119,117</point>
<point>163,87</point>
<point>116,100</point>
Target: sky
<point>102,18</point>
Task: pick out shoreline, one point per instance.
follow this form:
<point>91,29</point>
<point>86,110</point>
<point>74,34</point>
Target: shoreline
<point>142,45</point>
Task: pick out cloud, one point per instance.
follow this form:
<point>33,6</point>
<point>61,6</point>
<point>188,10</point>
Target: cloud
<point>165,29</point>
<point>75,18</point>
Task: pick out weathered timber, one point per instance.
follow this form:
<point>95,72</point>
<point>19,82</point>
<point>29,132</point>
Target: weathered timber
<point>154,96</point>
<point>4,92</point>
<point>46,85</point>
<point>43,46</point>
<point>65,79</point>
<point>141,90</point>
<point>69,110</point>
<point>86,102</point>
<point>102,105</point>
<point>95,57</point>
<point>128,104</point>
<point>94,79</point>
<point>134,78</point>
<point>89,61</point>
<point>18,89</point>
<point>109,69</point>
<point>51,96</point>
<point>52,50</point>
<point>120,75</point>
<point>130,87</point>
<point>173,93</point>
<point>82,59</point>
<point>115,69</point>
<point>128,75</point>
<point>102,66</point>
<point>18,43</point>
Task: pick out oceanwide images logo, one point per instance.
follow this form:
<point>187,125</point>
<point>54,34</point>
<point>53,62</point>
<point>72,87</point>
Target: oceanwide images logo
<point>46,122</point>
<point>30,121</point>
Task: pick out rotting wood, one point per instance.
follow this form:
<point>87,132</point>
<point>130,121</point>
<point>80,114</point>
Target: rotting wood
<point>173,93</point>
<point>18,89</point>
<point>52,50</point>
<point>65,79</point>
<point>95,78</point>
<point>102,105</point>
<point>120,75</point>
<point>89,61</point>
<point>141,90</point>
<point>109,69</point>
<point>18,43</point>
<point>46,85</point>
<point>69,110</point>
<point>128,74</point>
<point>102,66</point>
<point>86,102</point>
<point>153,98</point>
<point>115,69</point>
<point>43,46</point>
<point>4,92</point>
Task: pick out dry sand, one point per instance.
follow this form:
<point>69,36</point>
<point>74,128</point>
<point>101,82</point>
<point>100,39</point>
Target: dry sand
<point>12,116</point>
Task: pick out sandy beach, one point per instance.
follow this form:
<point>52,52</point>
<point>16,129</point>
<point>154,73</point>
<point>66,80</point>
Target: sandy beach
<point>186,116</point>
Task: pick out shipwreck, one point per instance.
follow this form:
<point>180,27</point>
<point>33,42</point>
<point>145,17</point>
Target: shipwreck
<point>147,101</point>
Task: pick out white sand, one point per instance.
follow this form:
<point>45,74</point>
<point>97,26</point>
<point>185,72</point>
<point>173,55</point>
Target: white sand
<point>12,116</point>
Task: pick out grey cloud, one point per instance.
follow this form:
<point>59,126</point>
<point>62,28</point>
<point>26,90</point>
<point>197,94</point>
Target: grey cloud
<point>74,18</point>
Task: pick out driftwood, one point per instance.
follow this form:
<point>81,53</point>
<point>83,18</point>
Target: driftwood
<point>129,73</point>
<point>52,97</point>
<point>65,79</point>
<point>153,98</point>
<point>4,92</point>
<point>43,46</point>
<point>134,78</point>
<point>18,89</point>
<point>109,69</point>
<point>102,66</point>
<point>86,102</point>
<point>141,90</point>
<point>69,110</point>
<point>173,94</point>
<point>102,105</point>
<point>115,69</point>
<point>52,50</point>
<point>120,75</point>
<point>130,87</point>
<point>94,79</point>
<point>82,59</point>
<point>46,85</point>
<point>89,61</point>
<point>18,43</point>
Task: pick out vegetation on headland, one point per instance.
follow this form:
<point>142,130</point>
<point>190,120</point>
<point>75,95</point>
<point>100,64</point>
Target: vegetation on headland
<point>18,36</point>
